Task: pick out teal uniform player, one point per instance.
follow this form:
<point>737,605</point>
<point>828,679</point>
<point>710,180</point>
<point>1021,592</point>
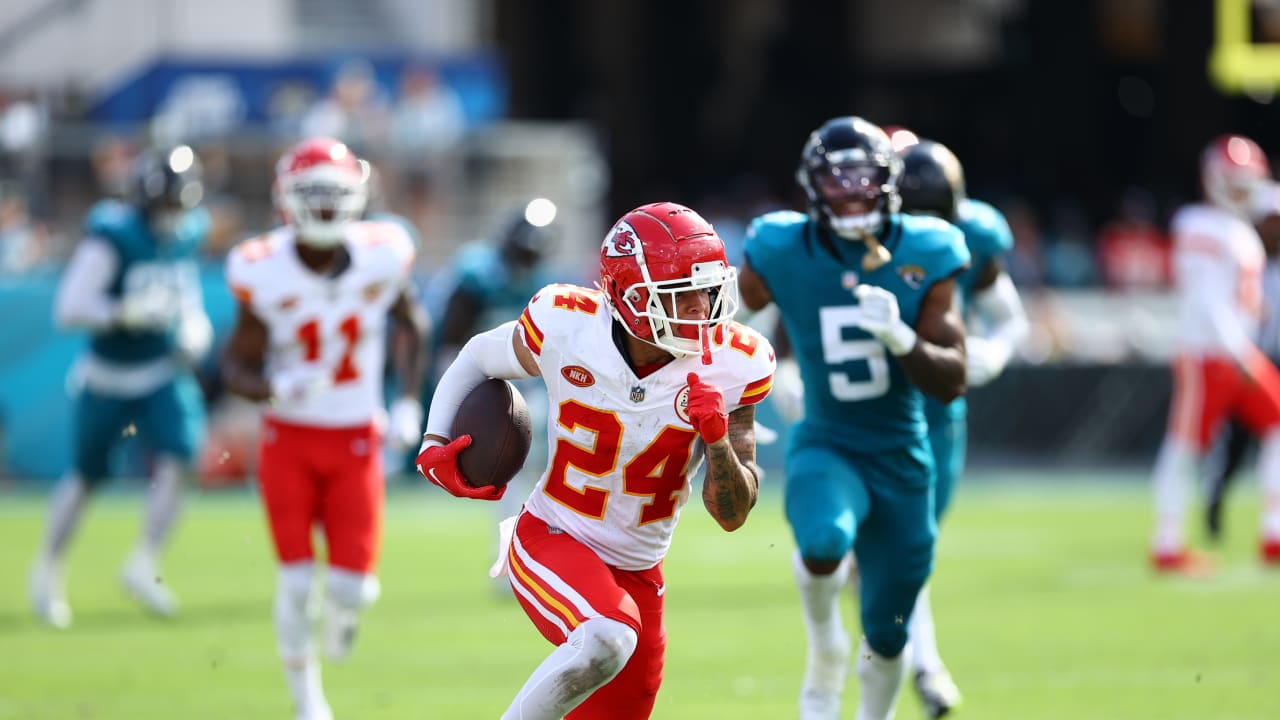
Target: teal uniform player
<point>933,184</point>
<point>865,295</point>
<point>862,441</point>
<point>133,285</point>
<point>161,399</point>
<point>988,238</point>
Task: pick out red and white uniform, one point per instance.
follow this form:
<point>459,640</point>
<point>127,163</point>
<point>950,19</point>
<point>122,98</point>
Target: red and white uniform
<point>321,456</point>
<point>593,534</point>
<point>1218,263</point>
<point>621,447</point>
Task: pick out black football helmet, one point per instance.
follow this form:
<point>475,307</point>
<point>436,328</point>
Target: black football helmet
<point>850,174</point>
<point>932,180</point>
<point>167,183</point>
<point>529,235</point>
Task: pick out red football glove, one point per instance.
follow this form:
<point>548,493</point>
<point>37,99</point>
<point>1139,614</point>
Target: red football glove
<point>706,410</point>
<point>439,464</point>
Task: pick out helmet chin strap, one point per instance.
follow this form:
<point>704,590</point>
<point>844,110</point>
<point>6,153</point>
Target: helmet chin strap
<point>877,255</point>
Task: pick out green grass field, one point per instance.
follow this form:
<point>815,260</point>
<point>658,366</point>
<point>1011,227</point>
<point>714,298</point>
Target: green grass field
<point>1045,609</point>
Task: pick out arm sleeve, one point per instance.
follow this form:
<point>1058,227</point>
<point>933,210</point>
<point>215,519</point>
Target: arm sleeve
<point>1001,327</point>
<point>83,300</point>
<point>487,355</point>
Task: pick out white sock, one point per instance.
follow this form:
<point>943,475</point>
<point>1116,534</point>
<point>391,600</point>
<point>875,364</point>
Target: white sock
<point>66,505</point>
<point>593,654</point>
<point>828,641</point>
<point>1269,479</point>
<point>1171,486</point>
<point>164,502</point>
<point>922,637</point>
<point>347,594</point>
<point>881,680</point>
<point>293,619</point>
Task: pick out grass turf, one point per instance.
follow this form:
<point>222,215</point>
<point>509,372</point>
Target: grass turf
<point>1045,607</point>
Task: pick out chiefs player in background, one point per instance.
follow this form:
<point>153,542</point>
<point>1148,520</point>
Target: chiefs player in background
<point>644,377</point>
<point>1218,370</point>
<point>314,297</point>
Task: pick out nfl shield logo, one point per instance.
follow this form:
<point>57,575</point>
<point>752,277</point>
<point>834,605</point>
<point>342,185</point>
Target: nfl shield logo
<point>637,393</point>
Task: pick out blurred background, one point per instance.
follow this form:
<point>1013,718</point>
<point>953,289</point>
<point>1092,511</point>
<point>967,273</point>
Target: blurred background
<point>1082,121</point>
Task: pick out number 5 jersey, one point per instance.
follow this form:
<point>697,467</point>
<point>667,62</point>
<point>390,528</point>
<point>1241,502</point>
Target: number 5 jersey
<point>856,394</point>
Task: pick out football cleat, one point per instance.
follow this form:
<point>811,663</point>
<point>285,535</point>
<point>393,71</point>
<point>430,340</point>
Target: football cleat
<point>48,597</point>
<point>938,693</point>
<point>1190,563</point>
<point>143,583</point>
<point>1269,551</point>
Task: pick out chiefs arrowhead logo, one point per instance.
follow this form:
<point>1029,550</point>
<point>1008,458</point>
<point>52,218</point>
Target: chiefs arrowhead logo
<point>621,242</point>
<point>578,375</point>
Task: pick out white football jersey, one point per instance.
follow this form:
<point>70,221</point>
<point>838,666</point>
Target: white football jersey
<point>621,449</point>
<point>334,322</point>
<point>1218,263</point>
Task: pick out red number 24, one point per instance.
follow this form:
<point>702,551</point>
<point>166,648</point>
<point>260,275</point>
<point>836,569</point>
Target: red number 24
<point>657,472</point>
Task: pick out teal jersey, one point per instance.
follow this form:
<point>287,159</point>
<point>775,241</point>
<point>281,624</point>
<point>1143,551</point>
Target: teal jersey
<point>856,394</point>
<point>480,270</point>
<point>145,262</point>
<point>988,237</point>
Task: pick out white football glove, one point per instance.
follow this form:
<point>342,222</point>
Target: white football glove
<point>299,384</point>
<point>879,316</point>
<point>194,338</point>
<point>147,310</point>
<point>788,390</point>
<point>984,359</point>
<point>404,423</point>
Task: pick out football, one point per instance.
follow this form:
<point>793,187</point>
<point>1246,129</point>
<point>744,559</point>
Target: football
<point>497,419</point>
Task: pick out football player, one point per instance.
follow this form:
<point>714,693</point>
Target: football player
<point>933,184</point>
<point>134,286</point>
<point>866,297</point>
<point>1218,369</point>
<point>309,342</point>
<point>1229,450</point>
<point>647,376</point>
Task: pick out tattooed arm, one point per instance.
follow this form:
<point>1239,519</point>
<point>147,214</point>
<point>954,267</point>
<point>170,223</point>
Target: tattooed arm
<point>732,483</point>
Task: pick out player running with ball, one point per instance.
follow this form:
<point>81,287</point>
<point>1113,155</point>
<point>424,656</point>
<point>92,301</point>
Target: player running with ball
<point>646,377</point>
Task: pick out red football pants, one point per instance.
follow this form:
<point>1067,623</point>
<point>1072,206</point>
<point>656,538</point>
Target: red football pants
<point>326,476</point>
<point>561,583</point>
<point>1208,390</point>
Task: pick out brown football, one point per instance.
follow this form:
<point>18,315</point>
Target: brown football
<point>497,419</point>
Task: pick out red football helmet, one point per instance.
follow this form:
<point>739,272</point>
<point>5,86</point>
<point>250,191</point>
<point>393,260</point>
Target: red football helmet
<point>651,255</point>
<point>1233,170</point>
<point>320,187</point>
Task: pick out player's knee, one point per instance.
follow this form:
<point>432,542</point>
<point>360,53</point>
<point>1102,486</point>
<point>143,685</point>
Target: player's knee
<point>887,639</point>
<point>293,585</point>
<point>351,590</point>
<point>823,545</point>
<point>607,645</point>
